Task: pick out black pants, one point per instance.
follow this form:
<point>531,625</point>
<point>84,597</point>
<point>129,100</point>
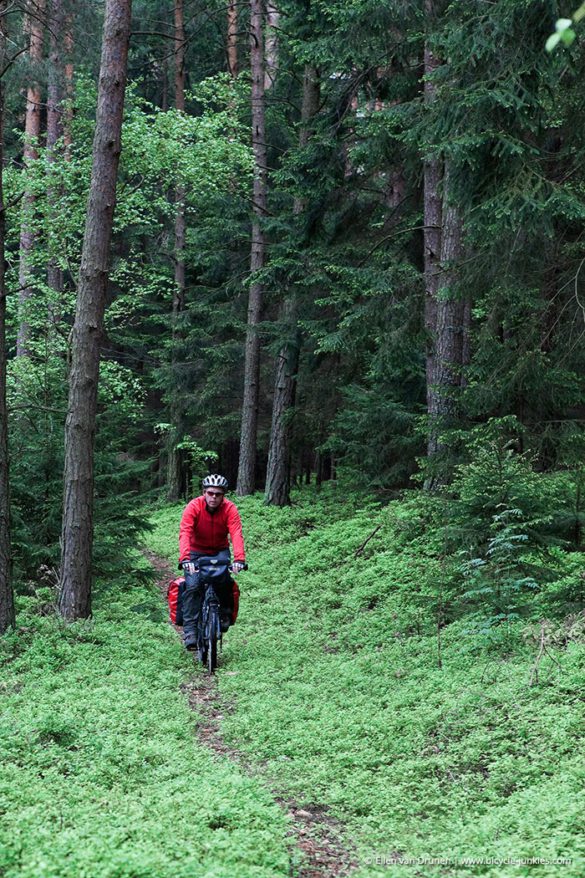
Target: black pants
<point>193,600</point>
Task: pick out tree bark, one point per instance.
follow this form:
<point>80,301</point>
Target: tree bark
<point>447,316</point>
<point>232,38</point>
<point>6,593</point>
<point>433,221</point>
<point>277,490</point>
<point>32,131</point>
<point>278,479</point>
<point>272,23</point>
<point>69,86</point>
<point>77,533</point>
<point>174,466</point>
<point>449,339</point>
<point>249,427</point>
<point>55,123</point>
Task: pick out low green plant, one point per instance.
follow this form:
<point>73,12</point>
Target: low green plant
<point>341,702</point>
<point>101,772</point>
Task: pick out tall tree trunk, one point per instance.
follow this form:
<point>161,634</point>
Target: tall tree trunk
<point>449,338</point>
<point>174,467</point>
<point>450,310</point>
<point>77,534</point>
<point>272,24</point>
<point>180,55</point>
<point>69,84</point>
<point>55,122</point>
<point>447,316</point>
<point>249,428</point>
<point>278,471</point>
<point>277,490</point>
<point>6,594</point>
<point>433,221</point>
<point>32,131</point>
<point>232,38</point>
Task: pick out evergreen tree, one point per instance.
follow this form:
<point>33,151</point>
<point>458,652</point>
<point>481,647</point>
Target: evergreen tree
<point>76,569</point>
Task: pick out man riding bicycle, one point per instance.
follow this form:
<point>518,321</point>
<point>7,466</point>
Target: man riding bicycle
<point>205,525</point>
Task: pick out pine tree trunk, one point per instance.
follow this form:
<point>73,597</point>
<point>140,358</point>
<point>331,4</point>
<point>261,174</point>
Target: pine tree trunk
<point>249,428</point>
<point>433,221</point>
<point>77,533</point>
<point>32,131</point>
<point>450,312</point>
<point>69,85</point>
<point>54,123</point>
<point>447,316</point>
<point>180,55</point>
<point>232,38</point>
<point>6,594</point>
<point>449,338</point>
<point>278,471</point>
<point>174,466</point>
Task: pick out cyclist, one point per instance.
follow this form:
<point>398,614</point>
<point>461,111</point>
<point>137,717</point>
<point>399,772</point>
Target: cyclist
<point>205,525</point>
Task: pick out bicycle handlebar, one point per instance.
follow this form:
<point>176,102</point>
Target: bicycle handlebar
<point>230,566</point>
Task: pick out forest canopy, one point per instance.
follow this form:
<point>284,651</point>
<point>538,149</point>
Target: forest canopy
<point>347,244</point>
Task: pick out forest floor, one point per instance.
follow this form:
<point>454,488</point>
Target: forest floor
<point>345,731</point>
<point>412,745</point>
<point>315,836</point>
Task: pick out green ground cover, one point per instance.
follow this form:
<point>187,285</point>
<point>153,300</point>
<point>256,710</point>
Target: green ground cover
<point>340,700</point>
<point>100,772</point>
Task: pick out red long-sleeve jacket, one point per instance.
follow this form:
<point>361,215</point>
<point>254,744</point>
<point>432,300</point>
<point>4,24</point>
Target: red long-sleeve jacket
<point>207,532</point>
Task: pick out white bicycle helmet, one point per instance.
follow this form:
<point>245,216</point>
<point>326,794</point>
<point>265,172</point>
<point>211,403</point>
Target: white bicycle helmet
<point>215,481</point>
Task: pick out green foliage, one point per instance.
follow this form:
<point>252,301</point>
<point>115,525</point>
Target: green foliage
<point>340,702</point>
<point>101,773</point>
<point>498,478</point>
<point>38,404</point>
<point>498,581</point>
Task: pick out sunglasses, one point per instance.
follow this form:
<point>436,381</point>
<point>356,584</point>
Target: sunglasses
<point>214,493</point>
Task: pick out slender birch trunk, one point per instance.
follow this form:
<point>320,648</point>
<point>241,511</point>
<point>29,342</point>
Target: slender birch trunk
<point>249,428</point>
<point>32,131</point>
<point>6,593</point>
<point>77,533</point>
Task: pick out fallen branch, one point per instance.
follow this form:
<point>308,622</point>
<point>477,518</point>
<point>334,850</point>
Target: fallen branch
<point>364,544</point>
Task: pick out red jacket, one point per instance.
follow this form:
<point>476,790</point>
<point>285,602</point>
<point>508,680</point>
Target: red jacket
<point>207,532</point>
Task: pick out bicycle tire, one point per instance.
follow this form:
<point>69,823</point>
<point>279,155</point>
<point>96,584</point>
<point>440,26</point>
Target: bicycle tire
<point>211,644</point>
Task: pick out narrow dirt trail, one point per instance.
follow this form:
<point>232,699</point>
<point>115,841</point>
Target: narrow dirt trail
<point>315,838</point>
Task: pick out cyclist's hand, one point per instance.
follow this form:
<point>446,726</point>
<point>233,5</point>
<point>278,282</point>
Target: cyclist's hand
<point>189,567</point>
<point>237,567</point>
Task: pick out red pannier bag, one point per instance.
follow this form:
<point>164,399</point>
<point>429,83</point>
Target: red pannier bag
<point>175,592</point>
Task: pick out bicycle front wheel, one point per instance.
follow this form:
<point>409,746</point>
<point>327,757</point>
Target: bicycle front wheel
<point>211,643</point>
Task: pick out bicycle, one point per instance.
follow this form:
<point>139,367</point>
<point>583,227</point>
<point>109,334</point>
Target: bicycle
<point>209,632</point>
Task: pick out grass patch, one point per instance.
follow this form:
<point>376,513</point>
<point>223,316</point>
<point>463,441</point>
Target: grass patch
<point>340,699</point>
<point>102,776</point>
